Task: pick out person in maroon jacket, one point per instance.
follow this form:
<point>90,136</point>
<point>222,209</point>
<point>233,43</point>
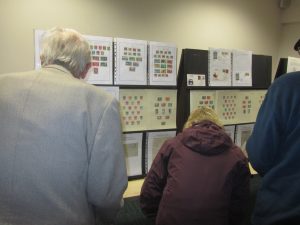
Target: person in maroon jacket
<point>198,177</point>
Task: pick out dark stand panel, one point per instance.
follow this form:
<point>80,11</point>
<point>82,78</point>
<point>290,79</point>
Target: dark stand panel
<point>282,67</point>
<point>193,61</point>
<point>261,71</point>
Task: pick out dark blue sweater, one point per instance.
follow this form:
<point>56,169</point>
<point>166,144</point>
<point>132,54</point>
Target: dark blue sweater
<point>274,151</point>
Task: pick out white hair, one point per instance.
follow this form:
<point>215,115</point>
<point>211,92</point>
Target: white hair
<point>65,47</point>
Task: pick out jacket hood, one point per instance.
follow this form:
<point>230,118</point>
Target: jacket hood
<point>206,138</point>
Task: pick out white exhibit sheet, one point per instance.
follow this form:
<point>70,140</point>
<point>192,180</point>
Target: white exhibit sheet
<point>162,63</point>
<point>130,61</point>
<point>293,64</point>
<point>219,67</point>
<point>38,34</point>
<point>241,68</point>
<point>243,132</point>
<point>101,71</point>
<point>154,142</point>
<point>133,153</point>
<point>113,90</point>
<point>230,130</point>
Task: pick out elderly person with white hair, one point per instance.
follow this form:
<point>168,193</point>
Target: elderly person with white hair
<point>61,153</point>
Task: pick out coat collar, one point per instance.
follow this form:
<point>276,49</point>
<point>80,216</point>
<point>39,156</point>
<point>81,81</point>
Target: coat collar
<point>57,68</point>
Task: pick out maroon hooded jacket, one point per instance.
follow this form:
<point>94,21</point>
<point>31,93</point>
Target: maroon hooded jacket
<point>199,177</point>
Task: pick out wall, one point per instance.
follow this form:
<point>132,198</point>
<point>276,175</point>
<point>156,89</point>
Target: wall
<point>290,34</point>
<point>241,24</point>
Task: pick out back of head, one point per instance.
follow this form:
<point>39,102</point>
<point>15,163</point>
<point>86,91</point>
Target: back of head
<point>65,47</point>
<point>199,115</point>
<point>297,46</point>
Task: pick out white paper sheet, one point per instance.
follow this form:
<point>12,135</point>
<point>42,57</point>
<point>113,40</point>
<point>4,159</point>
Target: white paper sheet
<point>130,61</point>
<point>230,130</point>
<point>241,68</point>
<point>162,63</point>
<point>101,71</point>
<point>243,132</point>
<point>133,153</point>
<point>38,34</point>
<point>293,64</point>
<point>113,90</point>
<point>154,142</point>
<point>219,67</point>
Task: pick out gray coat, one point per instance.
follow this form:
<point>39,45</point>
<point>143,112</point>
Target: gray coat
<point>61,155</point>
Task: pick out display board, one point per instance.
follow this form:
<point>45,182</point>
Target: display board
<point>229,104</point>
<point>202,81</point>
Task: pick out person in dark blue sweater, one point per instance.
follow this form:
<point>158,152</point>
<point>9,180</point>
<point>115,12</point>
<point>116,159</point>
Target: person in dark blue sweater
<point>274,152</point>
